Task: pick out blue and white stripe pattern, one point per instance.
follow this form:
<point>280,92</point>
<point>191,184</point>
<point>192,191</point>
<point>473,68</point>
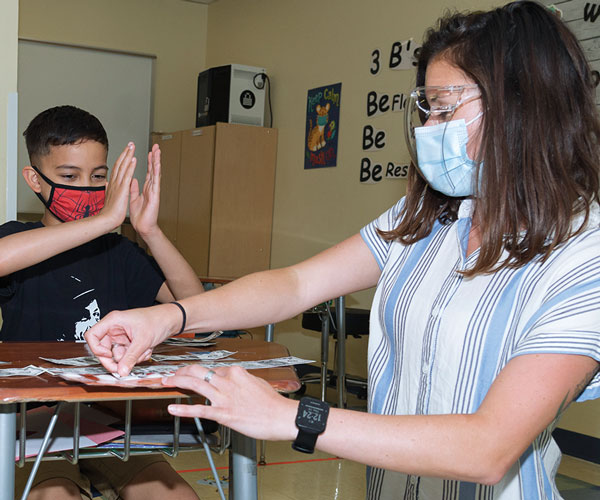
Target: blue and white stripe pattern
<point>438,340</point>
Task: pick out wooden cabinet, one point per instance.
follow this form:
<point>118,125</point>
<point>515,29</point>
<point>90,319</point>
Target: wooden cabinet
<point>217,196</point>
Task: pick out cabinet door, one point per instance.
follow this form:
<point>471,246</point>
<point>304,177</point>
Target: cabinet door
<point>170,149</point>
<point>242,208</point>
<point>195,196</point>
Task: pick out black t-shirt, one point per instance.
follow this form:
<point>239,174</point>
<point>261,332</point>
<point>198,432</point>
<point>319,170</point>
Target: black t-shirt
<point>62,297</point>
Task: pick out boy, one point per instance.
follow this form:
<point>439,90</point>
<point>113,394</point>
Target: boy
<point>59,276</point>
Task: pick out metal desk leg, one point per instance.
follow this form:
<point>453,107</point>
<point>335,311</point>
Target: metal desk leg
<point>269,334</point>
<point>8,438</point>
<point>340,309</point>
<point>242,468</point>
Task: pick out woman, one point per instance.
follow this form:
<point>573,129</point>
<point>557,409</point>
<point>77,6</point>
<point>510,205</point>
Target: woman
<point>486,319</point>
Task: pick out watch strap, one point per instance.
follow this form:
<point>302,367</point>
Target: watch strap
<point>305,441</point>
<point>311,420</point>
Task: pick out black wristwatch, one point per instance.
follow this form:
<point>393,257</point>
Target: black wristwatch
<point>311,421</point>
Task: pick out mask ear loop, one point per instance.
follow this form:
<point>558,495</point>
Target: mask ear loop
<point>47,203</point>
<point>479,115</point>
<point>478,173</point>
<point>443,142</point>
<point>474,119</point>
<point>458,103</point>
<point>471,121</point>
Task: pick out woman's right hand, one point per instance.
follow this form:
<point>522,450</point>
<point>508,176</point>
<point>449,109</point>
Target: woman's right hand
<point>122,339</point>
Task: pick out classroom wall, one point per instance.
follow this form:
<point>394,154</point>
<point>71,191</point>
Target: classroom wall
<point>309,44</point>
<point>8,84</point>
<point>173,30</point>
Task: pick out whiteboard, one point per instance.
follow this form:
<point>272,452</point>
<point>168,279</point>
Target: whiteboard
<point>116,87</point>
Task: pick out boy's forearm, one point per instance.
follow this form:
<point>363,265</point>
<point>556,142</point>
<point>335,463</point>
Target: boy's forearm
<point>181,278</point>
<point>27,248</point>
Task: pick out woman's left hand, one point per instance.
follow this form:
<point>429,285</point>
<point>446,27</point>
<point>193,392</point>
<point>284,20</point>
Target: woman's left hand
<point>238,400</point>
<point>143,207</point>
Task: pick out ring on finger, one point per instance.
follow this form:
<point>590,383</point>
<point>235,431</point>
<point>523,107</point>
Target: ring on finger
<point>209,375</point>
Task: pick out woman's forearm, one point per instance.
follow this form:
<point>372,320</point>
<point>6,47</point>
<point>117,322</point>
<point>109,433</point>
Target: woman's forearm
<point>446,446</point>
<point>276,295</point>
<point>254,300</point>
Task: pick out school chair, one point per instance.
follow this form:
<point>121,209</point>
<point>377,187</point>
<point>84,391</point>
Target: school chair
<point>339,321</point>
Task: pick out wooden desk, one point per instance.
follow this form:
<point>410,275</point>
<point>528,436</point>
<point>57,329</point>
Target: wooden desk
<point>46,388</point>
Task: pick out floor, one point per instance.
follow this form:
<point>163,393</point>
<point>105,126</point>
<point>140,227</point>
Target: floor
<point>289,475</point>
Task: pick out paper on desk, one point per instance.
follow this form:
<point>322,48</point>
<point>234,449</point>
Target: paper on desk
<point>261,363</point>
<point>192,356</point>
<point>28,371</point>
<point>80,361</point>
<point>140,376</point>
<point>136,372</point>
<point>92,433</point>
<point>4,362</point>
<point>150,376</point>
<point>193,342</point>
<point>188,343</point>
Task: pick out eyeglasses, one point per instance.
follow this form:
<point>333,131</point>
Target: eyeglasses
<point>440,103</point>
<point>434,104</point>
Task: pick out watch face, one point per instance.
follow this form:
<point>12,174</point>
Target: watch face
<point>312,415</point>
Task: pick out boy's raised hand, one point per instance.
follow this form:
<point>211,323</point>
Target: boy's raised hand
<point>118,187</point>
<point>143,207</point>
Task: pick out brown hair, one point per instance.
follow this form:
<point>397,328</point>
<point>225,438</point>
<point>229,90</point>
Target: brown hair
<point>540,134</point>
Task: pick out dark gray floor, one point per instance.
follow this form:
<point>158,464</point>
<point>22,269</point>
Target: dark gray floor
<point>572,489</point>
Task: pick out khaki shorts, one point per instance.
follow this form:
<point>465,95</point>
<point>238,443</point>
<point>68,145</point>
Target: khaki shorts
<point>108,475</point>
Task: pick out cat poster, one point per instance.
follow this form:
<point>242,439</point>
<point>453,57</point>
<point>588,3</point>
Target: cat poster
<point>322,126</point>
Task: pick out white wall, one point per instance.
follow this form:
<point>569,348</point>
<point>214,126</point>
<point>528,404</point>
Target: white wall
<point>8,86</point>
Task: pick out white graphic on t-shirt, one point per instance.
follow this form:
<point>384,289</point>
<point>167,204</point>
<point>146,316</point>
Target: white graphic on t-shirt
<point>85,324</point>
<point>83,293</point>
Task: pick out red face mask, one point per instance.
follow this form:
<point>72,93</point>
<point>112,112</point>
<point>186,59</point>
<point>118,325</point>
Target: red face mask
<point>68,203</point>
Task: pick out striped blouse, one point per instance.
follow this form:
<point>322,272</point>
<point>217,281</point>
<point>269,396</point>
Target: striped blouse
<point>438,340</point>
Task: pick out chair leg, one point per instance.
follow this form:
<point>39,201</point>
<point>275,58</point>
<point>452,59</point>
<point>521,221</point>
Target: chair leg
<point>340,310</point>
<point>269,334</point>
<point>262,460</point>
<point>324,352</point>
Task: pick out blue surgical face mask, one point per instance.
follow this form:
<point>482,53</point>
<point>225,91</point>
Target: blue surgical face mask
<point>443,158</point>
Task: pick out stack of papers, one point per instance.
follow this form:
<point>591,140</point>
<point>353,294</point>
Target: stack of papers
<point>81,361</point>
<point>82,369</point>
<point>193,342</point>
<point>150,376</point>
<point>194,356</point>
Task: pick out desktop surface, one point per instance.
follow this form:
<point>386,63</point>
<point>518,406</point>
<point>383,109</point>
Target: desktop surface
<point>45,387</point>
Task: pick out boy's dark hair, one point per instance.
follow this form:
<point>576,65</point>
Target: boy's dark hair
<point>61,126</point>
